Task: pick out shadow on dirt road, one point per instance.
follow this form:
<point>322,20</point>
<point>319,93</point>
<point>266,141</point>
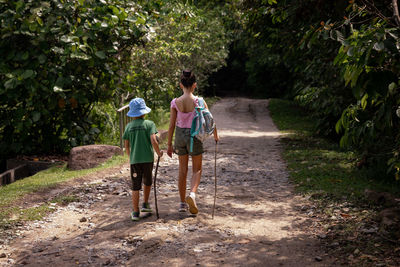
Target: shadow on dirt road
<point>258,219</point>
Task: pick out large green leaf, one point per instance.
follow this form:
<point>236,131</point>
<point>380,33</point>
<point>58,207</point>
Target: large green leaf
<point>36,116</point>
<point>10,84</point>
<point>27,74</point>
<point>100,54</point>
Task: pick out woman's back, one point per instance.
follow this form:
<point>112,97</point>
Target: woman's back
<point>185,103</point>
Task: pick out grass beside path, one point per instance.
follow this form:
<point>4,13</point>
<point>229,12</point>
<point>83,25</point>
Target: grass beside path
<point>319,166</point>
<point>10,194</point>
<point>350,225</point>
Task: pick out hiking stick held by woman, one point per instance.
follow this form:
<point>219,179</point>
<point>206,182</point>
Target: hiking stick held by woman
<point>215,177</point>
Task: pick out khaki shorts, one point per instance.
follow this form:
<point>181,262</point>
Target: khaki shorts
<point>182,143</point>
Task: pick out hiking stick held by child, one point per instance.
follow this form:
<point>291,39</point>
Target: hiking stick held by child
<point>140,144</point>
<point>155,187</point>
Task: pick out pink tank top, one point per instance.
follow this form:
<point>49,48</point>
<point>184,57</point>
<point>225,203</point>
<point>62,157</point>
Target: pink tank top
<point>183,119</point>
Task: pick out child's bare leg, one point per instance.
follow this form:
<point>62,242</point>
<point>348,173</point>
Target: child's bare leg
<point>197,163</point>
<point>135,200</point>
<point>183,170</point>
<point>146,193</point>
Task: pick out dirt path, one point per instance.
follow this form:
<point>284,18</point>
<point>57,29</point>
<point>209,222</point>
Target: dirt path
<point>259,221</point>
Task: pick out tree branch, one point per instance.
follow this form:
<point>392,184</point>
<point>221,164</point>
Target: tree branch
<point>396,12</point>
<point>374,10</point>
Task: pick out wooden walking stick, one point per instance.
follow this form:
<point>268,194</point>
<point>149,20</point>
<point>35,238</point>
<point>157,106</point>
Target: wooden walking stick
<point>155,187</point>
<point>215,176</point>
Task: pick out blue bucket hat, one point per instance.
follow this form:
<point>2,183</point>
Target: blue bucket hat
<point>137,108</point>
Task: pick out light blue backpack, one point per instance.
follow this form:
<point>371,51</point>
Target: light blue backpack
<point>203,124</point>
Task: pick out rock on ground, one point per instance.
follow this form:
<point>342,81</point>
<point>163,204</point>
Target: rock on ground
<point>85,157</point>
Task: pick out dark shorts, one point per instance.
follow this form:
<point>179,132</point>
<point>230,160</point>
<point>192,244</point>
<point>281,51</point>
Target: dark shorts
<point>141,172</point>
<point>182,143</point>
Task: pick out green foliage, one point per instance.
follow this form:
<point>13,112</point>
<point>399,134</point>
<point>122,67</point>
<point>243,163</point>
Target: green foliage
<point>57,59</point>
<point>179,38</point>
<point>317,165</point>
<point>104,116</point>
<point>66,66</point>
<point>341,63</point>
<point>369,61</point>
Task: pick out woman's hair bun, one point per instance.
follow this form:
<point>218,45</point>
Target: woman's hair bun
<point>188,78</point>
<point>187,73</point>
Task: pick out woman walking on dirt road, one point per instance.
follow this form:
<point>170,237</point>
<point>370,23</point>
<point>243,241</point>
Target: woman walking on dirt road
<point>181,116</point>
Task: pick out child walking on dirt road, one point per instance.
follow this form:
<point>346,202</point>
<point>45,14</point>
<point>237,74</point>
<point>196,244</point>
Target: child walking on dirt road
<point>140,143</point>
<point>181,117</point>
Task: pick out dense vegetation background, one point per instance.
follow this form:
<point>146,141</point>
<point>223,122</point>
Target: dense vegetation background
<point>67,65</point>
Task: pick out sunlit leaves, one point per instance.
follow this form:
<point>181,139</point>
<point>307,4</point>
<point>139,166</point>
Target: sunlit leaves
<point>57,89</point>
<point>57,57</point>
<point>179,37</point>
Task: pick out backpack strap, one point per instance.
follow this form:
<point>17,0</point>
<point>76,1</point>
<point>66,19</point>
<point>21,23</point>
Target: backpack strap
<point>200,101</point>
<point>195,130</point>
<point>192,134</point>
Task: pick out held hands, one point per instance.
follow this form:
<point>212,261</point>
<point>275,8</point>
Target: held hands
<point>161,154</point>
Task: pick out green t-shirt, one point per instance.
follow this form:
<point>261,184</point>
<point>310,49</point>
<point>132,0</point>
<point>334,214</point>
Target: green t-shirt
<point>138,132</point>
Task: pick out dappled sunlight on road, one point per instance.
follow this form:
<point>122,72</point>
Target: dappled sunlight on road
<point>249,134</point>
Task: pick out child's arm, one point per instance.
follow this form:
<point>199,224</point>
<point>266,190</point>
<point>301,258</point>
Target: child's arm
<point>171,129</point>
<point>153,139</point>
<point>127,148</point>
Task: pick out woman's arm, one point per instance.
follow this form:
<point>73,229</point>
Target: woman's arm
<point>171,129</point>
<point>216,136</point>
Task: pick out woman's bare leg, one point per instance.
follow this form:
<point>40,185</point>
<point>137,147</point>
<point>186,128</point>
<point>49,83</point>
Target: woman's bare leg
<point>183,170</point>
<point>197,164</point>
<point>194,183</point>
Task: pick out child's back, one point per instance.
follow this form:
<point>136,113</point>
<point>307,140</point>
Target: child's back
<point>138,134</point>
